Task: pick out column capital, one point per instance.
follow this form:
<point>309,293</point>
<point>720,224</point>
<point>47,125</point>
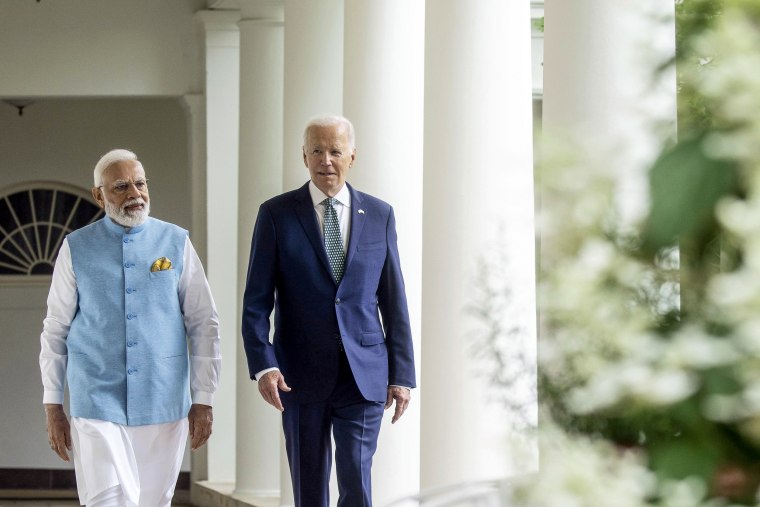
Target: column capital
<point>224,4</point>
<point>536,6</point>
<point>220,27</point>
<point>270,10</point>
<point>219,20</point>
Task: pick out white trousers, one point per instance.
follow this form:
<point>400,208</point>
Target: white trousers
<point>132,466</point>
<point>108,498</point>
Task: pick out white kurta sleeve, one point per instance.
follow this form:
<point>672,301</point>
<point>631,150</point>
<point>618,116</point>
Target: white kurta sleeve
<point>202,327</point>
<point>61,307</point>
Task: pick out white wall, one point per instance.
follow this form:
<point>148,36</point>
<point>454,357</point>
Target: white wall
<point>58,139</point>
<point>96,47</point>
<point>61,140</point>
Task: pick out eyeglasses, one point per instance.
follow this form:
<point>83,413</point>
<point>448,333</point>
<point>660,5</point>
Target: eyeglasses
<point>121,187</point>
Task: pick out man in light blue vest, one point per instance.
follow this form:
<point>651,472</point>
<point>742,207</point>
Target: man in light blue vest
<point>128,299</point>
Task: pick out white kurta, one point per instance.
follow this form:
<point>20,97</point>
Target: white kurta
<point>143,460</point>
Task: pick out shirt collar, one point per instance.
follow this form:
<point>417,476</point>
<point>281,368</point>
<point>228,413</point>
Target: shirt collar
<point>317,196</point>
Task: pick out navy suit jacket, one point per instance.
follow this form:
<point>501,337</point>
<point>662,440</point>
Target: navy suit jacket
<point>289,271</point>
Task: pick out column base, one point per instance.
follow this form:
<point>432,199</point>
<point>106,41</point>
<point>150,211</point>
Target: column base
<point>223,494</point>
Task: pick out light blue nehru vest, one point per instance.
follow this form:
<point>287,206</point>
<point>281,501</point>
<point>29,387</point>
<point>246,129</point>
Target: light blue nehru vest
<point>128,358</point>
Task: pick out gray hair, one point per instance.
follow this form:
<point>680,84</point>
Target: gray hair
<point>330,121</point>
<point>109,159</point>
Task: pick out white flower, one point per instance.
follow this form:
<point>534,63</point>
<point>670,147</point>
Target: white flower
<point>580,472</point>
<point>747,336</point>
<point>738,216</point>
<point>667,387</point>
<point>733,290</point>
<point>685,493</point>
<point>723,408</point>
<point>692,348</point>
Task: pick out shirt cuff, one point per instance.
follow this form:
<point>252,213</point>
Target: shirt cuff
<point>203,398</point>
<point>407,388</point>
<point>262,372</point>
<point>54,397</point>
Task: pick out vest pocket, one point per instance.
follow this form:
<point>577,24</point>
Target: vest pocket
<point>166,274</point>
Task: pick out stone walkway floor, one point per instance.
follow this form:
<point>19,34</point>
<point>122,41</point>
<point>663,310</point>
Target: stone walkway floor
<point>38,503</point>
<point>51,502</point>
<point>63,498</point>
<point>48,503</point>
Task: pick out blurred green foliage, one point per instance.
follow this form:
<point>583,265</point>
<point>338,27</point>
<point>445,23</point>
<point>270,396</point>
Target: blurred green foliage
<point>687,182</point>
<point>538,24</point>
<point>693,17</point>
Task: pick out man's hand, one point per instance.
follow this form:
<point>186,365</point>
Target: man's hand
<point>201,418</point>
<point>402,395</point>
<point>269,385</point>
<point>58,430</point>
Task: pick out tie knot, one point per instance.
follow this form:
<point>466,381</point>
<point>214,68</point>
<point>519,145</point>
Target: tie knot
<point>330,201</point>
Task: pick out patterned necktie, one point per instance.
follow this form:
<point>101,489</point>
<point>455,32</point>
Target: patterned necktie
<point>333,241</point>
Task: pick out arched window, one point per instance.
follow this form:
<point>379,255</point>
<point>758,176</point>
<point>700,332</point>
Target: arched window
<point>35,218</point>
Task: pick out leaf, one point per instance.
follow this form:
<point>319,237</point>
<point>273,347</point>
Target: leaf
<point>721,381</point>
<point>685,186</point>
<point>685,457</point>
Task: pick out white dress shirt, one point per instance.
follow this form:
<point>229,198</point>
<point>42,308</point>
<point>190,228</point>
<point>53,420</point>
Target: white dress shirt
<point>342,209</point>
<point>198,311</point>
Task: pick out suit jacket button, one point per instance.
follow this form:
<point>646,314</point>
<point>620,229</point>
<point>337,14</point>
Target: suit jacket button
<point>337,301</point>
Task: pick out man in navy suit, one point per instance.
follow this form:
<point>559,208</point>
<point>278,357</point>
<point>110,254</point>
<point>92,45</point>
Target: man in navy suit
<point>325,258</point>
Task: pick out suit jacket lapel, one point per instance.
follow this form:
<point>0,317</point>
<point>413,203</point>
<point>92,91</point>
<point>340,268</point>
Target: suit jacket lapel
<point>357,224</point>
<point>308,219</point>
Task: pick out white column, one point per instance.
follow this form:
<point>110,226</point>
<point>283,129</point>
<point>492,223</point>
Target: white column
<point>313,86</point>
<point>600,61</point>
<point>222,99</point>
<point>193,105</point>
<point>260,177</point>
<point>313,75</point>
<point>383,97</point>
<point>478,203</point>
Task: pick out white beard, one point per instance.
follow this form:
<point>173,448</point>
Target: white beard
<point>128,218</point>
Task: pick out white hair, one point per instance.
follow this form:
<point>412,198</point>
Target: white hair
<point>109,159</point>
<point>330,121</point>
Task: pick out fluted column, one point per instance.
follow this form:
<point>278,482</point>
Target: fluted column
<point>383,97</point>
<point>313,75</point>
<point>221,105</point>
<point>260,177</point>
<point>478,206</point>
<point>601,84</point>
